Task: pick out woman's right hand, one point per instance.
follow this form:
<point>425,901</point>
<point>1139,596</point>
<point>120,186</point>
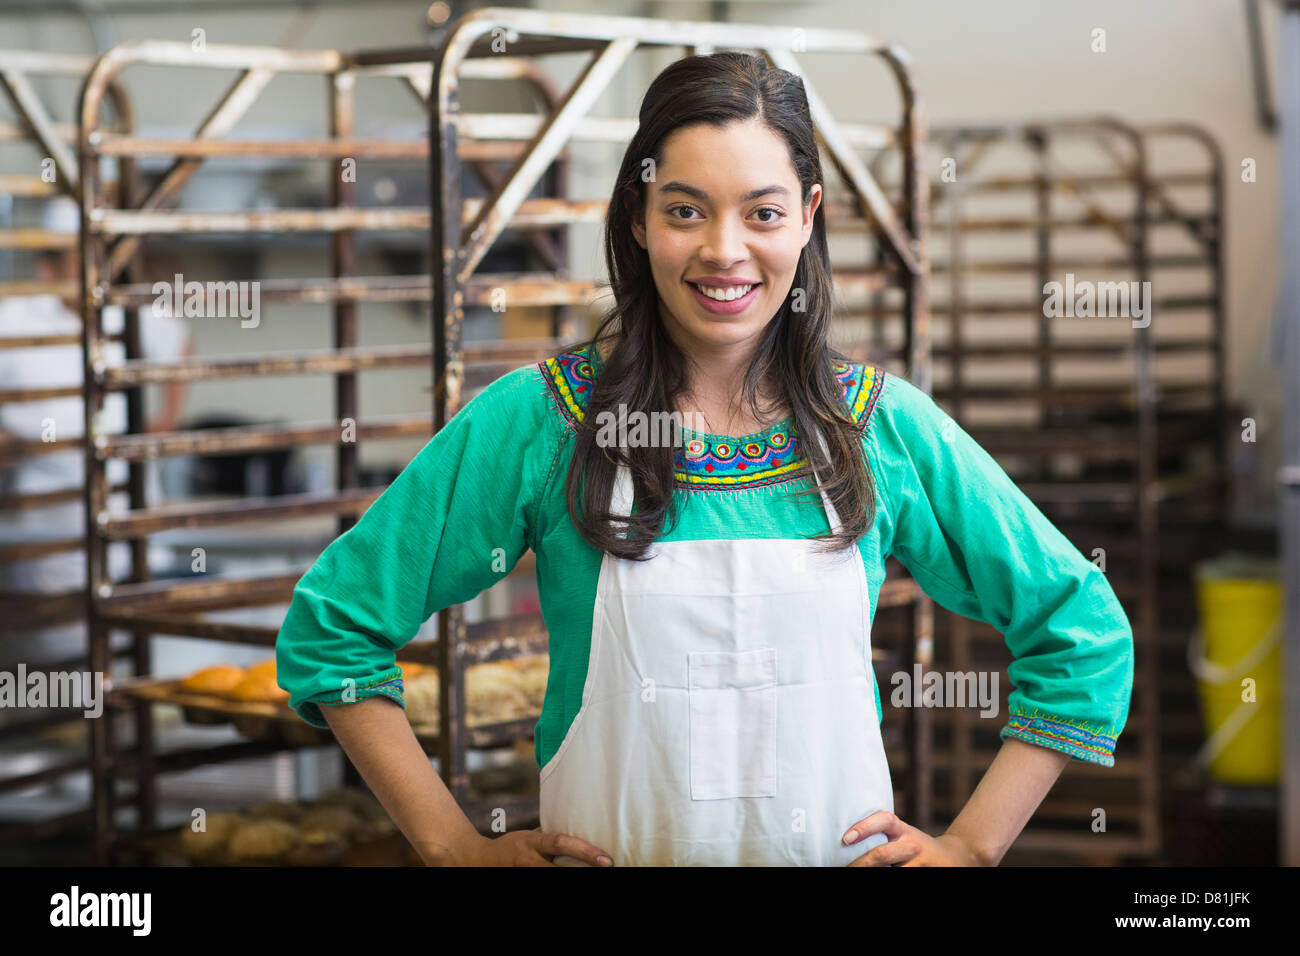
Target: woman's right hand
<point>379,741</point>
<point>529,848</point>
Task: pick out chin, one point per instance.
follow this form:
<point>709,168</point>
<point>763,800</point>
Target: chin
<point>723,332</point>
<point>723,329</point>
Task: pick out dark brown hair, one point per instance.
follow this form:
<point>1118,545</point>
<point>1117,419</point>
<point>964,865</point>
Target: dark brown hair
<point>645,371</point>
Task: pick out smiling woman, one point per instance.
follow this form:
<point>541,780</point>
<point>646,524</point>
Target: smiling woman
<point>709,600</point>
<point>722,285</point>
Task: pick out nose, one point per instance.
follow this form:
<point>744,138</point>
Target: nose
<point>724,243</point>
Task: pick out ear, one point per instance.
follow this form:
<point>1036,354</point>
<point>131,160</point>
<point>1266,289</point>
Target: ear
<point>638,229</point>
<point>814,200</point>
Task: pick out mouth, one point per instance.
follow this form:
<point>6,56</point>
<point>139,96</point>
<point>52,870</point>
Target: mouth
<point>725,301</point>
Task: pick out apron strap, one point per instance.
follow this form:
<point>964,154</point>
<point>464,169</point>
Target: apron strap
<point>620,499</point>
<point>832,516</point>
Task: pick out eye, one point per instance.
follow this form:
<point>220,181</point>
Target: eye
<point>777,215</point>
<point>672,209</point>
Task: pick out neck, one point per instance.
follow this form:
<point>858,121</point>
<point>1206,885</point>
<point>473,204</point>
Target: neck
<point>709,365</point>
<point>715,375</point>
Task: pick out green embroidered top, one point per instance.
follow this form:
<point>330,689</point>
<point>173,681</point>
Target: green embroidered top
<point>492,481</point>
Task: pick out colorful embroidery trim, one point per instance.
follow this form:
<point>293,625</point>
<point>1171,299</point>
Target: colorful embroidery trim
<point>570,377</point>
<point>862,385</point>
<point>716,461</point>
<point>388,686</point>
<point>1073,738</point>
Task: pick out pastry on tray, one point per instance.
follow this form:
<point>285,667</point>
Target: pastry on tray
<point>493,693</point>
<point>259,687</point>
<point>283,832</point>
<point>263,841</point>
<point>360,803</point>
<point>412,669</point>
<point>219,679</point>
<point>533,673</point>
<point>210,842</point>
<point>263,668</point>
<point>421,696</point>
<point>335,821</point>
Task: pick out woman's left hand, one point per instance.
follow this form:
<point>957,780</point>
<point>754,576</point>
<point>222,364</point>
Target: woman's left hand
<point>907,845</point>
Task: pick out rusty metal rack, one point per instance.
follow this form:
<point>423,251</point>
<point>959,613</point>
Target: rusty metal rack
<point>45,144</point>
<point>1116,432</point>
<point>462,233</point>
<point>113,236</point>
<point>1186,190</point>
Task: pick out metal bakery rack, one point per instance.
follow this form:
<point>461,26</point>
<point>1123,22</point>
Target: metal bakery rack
<point>1115,429</point>
<point>41,142</point>
<point>114,235</point>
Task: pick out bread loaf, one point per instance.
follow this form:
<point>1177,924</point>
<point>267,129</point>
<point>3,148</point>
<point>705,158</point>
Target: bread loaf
<point>218,679</point>
<point>259,687</point>
<point>260,841</point>
<point>209,842</point>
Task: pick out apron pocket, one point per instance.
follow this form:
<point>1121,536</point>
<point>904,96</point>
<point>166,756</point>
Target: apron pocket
<point>732,723</point>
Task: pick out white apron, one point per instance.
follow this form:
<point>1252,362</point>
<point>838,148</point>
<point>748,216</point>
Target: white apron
<point>728,716</point>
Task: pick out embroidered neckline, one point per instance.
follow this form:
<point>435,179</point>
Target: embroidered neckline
<point>708,461</point>
<point>762,435</point>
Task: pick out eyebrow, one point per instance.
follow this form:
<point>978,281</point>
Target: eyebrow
<point>681,187</point>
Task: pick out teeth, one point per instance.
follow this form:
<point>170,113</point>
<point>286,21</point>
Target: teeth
<point>727,294</point>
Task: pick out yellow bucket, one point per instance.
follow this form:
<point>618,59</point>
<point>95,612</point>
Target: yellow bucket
<point>1236,655</point>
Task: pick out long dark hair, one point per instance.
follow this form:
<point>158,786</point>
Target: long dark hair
<point>645,371</point>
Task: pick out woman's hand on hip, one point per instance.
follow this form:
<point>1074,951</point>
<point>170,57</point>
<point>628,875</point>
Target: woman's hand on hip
<point>530,848</point>
<point>908,846</point>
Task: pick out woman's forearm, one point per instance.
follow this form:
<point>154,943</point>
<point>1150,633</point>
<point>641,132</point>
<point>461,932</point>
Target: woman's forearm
<point>1007,796</point>
<point>379,741</point>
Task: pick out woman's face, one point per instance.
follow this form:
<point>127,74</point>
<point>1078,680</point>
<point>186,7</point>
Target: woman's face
<point>724,213</point>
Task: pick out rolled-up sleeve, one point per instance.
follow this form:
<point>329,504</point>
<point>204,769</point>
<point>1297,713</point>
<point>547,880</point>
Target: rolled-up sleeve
<point>979,547</point>
<point>452,524</point>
